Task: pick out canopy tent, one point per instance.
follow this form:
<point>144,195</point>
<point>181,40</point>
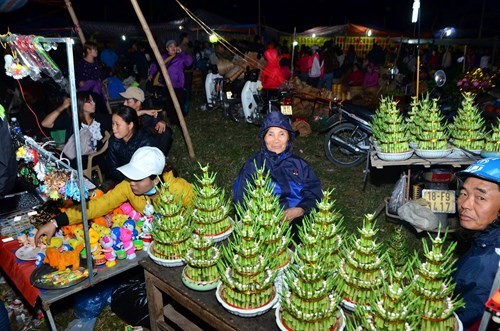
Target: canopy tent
<point>349,30</point>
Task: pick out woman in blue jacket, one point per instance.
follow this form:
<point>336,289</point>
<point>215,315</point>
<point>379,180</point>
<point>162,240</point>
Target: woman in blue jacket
<point>295,182</point>
<point>479,212</point>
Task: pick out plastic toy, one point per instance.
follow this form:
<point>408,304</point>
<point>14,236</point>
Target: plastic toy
<point>108,251</point>
<point>128,245</point>
<point>61,261</point>
<point>127,209</point>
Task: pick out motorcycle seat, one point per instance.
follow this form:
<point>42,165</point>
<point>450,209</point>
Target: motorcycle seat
<point>360,111</point>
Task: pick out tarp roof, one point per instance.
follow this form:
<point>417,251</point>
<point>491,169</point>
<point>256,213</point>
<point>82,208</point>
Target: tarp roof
<point>349,29</point>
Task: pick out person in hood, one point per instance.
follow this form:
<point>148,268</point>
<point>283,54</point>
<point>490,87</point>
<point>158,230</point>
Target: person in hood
<point>295,182</point>
<point>478,207</point>
<point>272,76</point>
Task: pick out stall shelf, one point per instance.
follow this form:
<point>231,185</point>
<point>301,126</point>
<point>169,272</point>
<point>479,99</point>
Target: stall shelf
<point>20,271</point>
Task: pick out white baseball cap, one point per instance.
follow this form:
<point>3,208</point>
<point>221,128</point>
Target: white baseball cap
<point>145,162</point>
<point>133,92</point>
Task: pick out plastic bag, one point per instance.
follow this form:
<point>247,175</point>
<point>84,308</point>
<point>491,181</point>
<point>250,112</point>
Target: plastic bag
<point>81,324</point>
<point>398,195</point>
<point>419,215</point>
<point>91,302</point>
<point>129,301</point>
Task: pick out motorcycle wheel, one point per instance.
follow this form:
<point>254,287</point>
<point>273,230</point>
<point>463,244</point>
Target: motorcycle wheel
<point>339,155</point>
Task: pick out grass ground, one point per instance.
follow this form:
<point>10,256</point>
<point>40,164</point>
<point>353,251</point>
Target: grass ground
<point>225,145</point>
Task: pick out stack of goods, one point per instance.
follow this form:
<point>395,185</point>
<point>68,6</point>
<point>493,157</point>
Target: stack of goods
<point>390,131</point>
<point>249,265</point>
<point>308,301</point>
<point>429,127</point>
<point>360,271</point>
<point>201,272</point>
<point>309,101</point>
<point>467,129</point>
<point>433,286</point>
<point>171,230</point>
<point>210,209</point>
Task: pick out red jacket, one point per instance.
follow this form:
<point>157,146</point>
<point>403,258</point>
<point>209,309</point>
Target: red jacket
<point>272,76</point>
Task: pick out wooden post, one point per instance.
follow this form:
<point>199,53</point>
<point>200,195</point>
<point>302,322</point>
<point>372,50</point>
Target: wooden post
<point>164,71</point>
<point>75,21</point>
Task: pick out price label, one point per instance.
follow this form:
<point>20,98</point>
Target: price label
<point>286,109</point>
<point>440,201</point>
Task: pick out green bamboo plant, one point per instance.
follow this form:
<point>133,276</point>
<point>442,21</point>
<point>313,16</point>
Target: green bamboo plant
<point>433,286</point>
<point>361,269</point>
<point>467,129</point>
<point>430,126</point>
<point>389,128</point>
<point>210,208</point>
<point>493,139</point>
<point>172,227</point>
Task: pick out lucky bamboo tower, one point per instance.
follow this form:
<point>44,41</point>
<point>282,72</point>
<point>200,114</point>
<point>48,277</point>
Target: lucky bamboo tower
<point>429,126</point>
<point>433,286</point>
<point>360,271</point>
<point>389,128</point>
<point>397,248</point>
<point>210,208</point>
<point>259,247</point>
<point>308,301</point>
<point>201,272</point>
<point>324,230</point>
<point>467,129</point>
<point>393,307</point>
<point>493,139</point>
<point>262,207</point>
<point>171,228</point>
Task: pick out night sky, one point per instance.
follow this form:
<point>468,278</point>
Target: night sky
<point>283,15</point>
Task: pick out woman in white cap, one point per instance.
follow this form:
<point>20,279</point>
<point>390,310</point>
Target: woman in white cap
<point>139,190</point>
<point>175,61</point>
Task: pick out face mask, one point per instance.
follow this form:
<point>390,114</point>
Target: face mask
<point>151,192</point>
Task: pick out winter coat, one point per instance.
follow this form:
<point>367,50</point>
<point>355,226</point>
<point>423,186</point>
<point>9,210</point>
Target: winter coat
<point>175,67</point>
<point>272,76</point>
<point>295,182</point>
<point>475,272</point>
<point>120,152</point>
<point>8,163</point>
<point>179,187</point>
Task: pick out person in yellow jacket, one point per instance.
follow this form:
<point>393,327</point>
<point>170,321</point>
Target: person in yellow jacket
<point>140,190</point>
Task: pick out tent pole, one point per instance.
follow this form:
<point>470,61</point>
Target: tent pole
<point>293,51</point>
<point>75,21</point>
<point>164,71</point>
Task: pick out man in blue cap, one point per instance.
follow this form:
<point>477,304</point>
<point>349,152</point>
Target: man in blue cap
<point>478,206</point>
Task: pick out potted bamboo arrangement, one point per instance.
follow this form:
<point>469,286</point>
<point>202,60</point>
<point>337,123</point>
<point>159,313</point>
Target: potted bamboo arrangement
<point>201,272</point>
<point>324,230</point>
<point>397,248</point>
<point>433,286</point>
<point>171,230</point>
<point>430,130</point>
<point>361,268</point>
<point>492,144</point>
<point>393,307</point>
<point>210,208</point>
<point>467,130</point>
<point>249,265</point>
<point>390,132</point>
<point>307,298</point>
<point>308,301</point>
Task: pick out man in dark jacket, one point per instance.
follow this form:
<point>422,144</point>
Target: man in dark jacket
<point>295,182</point>
<point>479,211</point>
<point>150,120</point>
<point>8,164</point>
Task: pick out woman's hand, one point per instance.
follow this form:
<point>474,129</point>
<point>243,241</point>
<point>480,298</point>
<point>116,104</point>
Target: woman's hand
<point>293,213</point>
<point>160,126</point>
<point>48,229</point>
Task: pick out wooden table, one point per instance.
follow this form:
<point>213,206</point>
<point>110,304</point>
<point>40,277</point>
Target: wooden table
<point>204,311</point>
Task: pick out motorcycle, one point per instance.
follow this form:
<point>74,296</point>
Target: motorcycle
<point>257,102</point>
<point>349,138</point>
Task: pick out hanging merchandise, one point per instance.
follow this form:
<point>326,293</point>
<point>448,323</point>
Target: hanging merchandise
<point>29,58</point>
